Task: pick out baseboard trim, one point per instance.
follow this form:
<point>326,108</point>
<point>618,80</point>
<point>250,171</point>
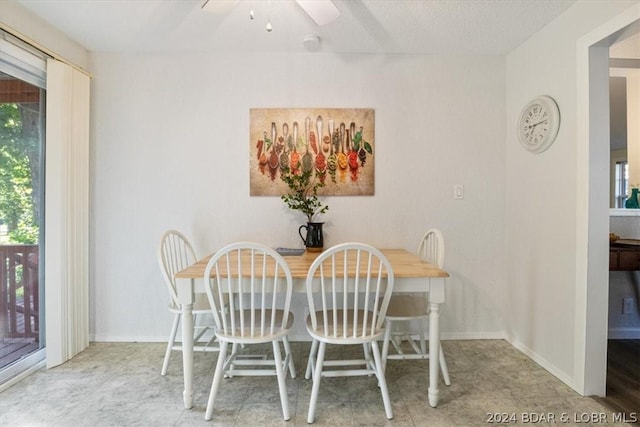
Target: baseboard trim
<point>497,335</point>
<point>444,337</point>
<point>544,363</point>
<point>125,338</point>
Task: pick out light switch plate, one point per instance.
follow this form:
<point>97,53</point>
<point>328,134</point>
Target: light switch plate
<point>458,191</point>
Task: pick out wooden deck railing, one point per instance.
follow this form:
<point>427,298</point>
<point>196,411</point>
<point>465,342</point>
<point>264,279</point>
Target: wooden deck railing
<point>19,307</point>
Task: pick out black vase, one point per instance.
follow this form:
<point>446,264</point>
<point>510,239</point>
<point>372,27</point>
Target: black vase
<point>313,240</point>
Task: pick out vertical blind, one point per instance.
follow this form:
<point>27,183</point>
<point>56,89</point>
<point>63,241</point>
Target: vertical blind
<point>67,212</point>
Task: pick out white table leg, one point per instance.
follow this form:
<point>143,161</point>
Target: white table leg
<point>185,290</point>
<point>434,353</point>
<point>187,354</point>
<point>436,297</point>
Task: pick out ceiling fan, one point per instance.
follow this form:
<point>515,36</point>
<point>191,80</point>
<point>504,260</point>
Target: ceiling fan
<point>321,12</point>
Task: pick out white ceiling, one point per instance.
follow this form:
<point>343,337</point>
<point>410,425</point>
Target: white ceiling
<point>364,26</point>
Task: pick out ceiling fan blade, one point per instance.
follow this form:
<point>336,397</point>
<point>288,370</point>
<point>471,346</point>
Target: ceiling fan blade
<point>321,11</point>
<point>219,6</point>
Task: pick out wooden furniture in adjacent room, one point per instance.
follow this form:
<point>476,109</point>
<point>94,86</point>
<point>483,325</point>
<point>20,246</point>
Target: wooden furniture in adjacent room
<point>624,255</point>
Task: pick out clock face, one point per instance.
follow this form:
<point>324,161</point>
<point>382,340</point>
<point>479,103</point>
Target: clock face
<point>539,123</point>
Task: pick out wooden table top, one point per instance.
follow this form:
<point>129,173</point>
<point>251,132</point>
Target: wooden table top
<point>404,264</point>
<point>631,243</point>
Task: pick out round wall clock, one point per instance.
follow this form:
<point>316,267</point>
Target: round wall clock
<point>538,124</point>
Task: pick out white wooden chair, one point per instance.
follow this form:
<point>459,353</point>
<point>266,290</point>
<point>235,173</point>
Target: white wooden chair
<point>348,290</point>
<point>257,283</point>
<point>404,309</point>
<point>175,253</point>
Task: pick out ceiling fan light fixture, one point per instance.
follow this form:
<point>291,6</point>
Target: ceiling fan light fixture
<point>321,11</point>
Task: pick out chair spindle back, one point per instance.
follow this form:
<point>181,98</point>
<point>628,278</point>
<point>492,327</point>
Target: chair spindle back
<point>353,283</point>
<point>431,247</point>
<point>258,284</point>
<point>175,253</point>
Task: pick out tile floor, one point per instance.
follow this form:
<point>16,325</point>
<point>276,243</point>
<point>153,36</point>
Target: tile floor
<point>119,384</point>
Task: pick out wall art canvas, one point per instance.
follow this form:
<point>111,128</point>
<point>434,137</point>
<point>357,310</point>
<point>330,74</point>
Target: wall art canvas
<point>336,144</point>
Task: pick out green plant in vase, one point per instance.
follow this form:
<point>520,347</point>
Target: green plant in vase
<point>303,196</point>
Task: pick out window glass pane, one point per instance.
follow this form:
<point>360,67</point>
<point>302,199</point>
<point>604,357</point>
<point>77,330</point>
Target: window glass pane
<point>622,181</point>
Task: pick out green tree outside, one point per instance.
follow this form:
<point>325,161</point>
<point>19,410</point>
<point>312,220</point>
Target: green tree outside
<point>19,164</point>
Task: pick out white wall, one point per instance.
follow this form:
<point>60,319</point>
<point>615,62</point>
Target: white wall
<point>171,150</point>
<point>541,203</point>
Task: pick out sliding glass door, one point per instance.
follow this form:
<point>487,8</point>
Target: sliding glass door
<point>22,118</point>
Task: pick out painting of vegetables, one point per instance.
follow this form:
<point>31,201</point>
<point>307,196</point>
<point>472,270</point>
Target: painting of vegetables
<point>335,145</point>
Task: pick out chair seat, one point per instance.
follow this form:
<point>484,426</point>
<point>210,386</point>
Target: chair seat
<point>237,334</point>
<point>407,307</point>
<point>338,335</point>
<point>413,311</point>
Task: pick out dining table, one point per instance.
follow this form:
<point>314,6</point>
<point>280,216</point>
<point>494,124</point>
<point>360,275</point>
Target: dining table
<point>411,273</point>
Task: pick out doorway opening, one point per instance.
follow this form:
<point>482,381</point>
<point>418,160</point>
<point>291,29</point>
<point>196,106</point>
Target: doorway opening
<point>593,213</point>
<point>623,343</point>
